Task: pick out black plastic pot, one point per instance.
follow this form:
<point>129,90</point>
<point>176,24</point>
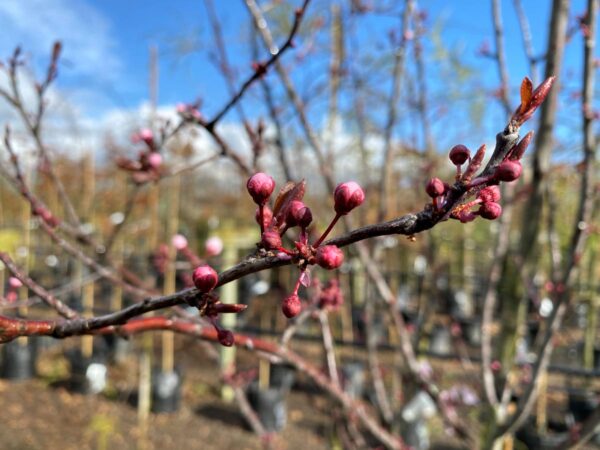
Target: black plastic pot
<point>18,360</point>
<point>88,375</point>
<point>441,341</point>
<point>533,329</point>
<point>462,305</point>
<point>413,421</point>
<point>471,330</point>
<point>166,391</point>
<point>282,376</point>
<point>555,435</point>
<point>269,406</point>
<point>353,377</point>
<point>117,348</point>
<point>360,326</point>
<point>582,404</point>
<point>415,435</point>
<point>597,358</point>
<point>409,317</point>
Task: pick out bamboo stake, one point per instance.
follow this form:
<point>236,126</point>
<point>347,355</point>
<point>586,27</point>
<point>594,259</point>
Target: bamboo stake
<point>542,403</point>
<point>23,311</point>
<point>228,295</point>
<point>87,342</point>
<point>168,337</point>
<point>145,362</point>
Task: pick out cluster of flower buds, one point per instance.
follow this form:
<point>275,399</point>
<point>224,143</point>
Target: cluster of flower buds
<point>330,296</point>
<point>484,187</point>
<point>205,279</point>
<point>489,208</point>
<point>14,284</point>
<point>190,112</point>
<point>148,165</point>
<point>289,211</point>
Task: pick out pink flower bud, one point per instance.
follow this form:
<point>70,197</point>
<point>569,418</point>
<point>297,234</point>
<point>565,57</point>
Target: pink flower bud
<point>329,257</point>
<point>271,240</point>
<point>508,171</point>
<point>331,295</point>
<point>267,216</point>
<point>213,246</point>
<point>14,283</point>
<point>459,154</point>
<point>299,214</point>
<point>154,160</point>
<point>205,278</point>
<point>225,337</point>
<point>144,135</point>
<point>290,218</point>
<point>304,217</point>
<point>260,187</point>
<point>490,211</point>
<point>347,196</point>
<point>466,216</point>
<point>489,194</point>
<point>435,187</point>
<point>291,306</point>
<point>179,241</point>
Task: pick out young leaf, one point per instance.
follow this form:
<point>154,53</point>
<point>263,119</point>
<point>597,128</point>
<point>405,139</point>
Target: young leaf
<point>526,92</point>
<point>289,192</point>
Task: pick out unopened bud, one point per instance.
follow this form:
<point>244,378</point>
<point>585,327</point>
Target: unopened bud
<point>299,214</point>
<point>154,160</point>
<point>14,283</point>
<point>213,246</point>
<point>225,337</point>
<point>490,210</point>
<point>459,154</point>
<point>435,187</point>
<point>179,242</point>
<point>205,278</point>
<point>348,196</point>
<point>144,135</point>
<point>267,216</point>
<point>271,240</point>
<point>291,306</point>
<point>508,171</point>
<point>489,194</point>
<point>329,257</point>
<point>260,187</point>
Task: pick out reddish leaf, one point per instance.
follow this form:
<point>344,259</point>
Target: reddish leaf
<point>289,192</point>
<point>526,92</point>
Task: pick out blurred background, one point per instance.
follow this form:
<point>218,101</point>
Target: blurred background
<point>372,91</point>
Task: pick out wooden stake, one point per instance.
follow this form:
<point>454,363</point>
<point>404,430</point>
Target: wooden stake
<point>542,403</point>
<point>168,337</point>
<point>26,259</point>
<point>264,373</point>
<point>87,341</point>
<point>145,362</point>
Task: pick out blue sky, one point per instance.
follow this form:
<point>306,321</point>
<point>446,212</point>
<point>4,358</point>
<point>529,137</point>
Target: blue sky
<point>106,42</point>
